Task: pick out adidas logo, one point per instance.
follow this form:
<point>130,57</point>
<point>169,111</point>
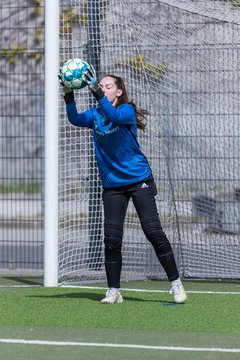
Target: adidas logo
<point>144,185</point>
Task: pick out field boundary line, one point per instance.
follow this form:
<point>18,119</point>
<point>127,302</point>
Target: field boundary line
<point>124,289</point>
<point>127,346</point>
<point>155,291</point>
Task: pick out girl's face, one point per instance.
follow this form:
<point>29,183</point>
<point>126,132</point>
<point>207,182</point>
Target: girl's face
<point>110,89</point>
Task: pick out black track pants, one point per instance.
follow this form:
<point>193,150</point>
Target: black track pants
<point>115,206</point>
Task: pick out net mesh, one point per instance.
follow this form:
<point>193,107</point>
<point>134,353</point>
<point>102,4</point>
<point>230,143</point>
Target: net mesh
<point>180,61</point>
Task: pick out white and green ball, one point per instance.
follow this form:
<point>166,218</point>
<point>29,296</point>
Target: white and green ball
<point>72,73</point>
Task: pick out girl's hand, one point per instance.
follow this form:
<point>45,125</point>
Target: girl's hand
<point>90,78</point>
<point>66,89</point>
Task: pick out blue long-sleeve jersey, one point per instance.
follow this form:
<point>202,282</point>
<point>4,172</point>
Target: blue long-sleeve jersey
<point>120,160</point>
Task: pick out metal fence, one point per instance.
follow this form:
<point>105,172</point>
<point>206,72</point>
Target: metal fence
<point>208,100</point>
<point>21,134</point>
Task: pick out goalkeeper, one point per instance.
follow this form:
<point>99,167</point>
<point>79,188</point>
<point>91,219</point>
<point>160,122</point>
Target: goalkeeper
<point>125,173</point>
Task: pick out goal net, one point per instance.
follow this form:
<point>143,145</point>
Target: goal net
<point>180,60</point>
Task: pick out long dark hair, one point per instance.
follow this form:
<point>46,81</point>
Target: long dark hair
<point>141,114</point>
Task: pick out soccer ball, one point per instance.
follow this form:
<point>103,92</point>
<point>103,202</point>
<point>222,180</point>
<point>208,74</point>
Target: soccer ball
<point>72,73</point>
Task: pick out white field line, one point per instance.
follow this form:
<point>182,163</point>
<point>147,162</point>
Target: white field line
<point>126,346</point>
<point>126,289</point>
<point>157,291</point>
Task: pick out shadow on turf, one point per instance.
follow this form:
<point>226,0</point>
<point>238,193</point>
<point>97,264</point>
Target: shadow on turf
<point>97,297</point>
<point>23,280</point>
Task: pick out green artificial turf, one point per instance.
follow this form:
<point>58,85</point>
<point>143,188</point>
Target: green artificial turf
<point>81,308</point>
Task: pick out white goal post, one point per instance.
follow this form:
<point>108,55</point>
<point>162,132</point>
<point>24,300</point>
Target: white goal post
<point>51,143</point>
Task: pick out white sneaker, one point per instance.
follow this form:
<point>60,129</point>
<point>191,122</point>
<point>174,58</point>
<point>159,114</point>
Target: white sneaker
<point>179,293</point>
<point>112,297</point>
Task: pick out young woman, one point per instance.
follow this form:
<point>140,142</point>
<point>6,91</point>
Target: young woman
<point>125,174</point>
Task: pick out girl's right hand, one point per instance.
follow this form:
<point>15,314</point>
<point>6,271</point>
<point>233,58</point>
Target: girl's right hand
<point>66,89</point>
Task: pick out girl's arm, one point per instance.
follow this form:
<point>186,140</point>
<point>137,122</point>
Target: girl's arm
<point>83,119</point>
<point>124,114</point>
